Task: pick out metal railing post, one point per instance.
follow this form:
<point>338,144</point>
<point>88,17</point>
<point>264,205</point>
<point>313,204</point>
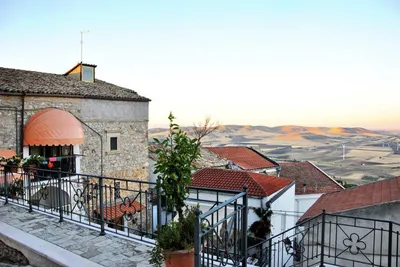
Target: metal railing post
<point>5,184</point>
<point>102,231</point>
<point>60,196</point>
<point>269,251</point>
<point>29,191</point>
<point>390,243</point>
<point>197,239</point>
<point>323,239</point>
<point>159,208</point>
<point>244,226</point>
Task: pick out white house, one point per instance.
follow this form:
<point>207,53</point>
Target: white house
<point>311,184</point>
<point>262,189</point>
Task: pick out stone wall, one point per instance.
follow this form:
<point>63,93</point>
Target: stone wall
<point>126,118</point>
<point>10,129</point>
<point>11,255</point>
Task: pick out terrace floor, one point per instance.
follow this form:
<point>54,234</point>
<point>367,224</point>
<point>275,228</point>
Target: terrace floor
<point>105,250</point>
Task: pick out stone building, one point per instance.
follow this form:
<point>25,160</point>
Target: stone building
<point>83,124</point>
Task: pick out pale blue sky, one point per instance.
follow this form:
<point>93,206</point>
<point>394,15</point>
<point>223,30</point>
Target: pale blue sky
<point>315,63</point>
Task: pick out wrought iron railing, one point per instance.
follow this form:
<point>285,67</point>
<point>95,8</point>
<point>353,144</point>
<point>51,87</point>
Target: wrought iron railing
<point>337,240</point>
<point>131,208</point>
<point>221,233</point>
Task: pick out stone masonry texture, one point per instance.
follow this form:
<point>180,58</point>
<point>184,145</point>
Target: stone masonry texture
<point>128,119</point>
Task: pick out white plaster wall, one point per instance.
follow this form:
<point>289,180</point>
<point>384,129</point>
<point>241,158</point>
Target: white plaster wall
<point>304,202</point>
<point>283,212</point>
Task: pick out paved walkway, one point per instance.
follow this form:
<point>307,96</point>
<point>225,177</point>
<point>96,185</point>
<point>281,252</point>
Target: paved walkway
<point>105,250</point>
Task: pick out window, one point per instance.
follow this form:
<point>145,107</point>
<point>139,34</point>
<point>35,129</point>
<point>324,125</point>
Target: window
<point>87,74</point>
<point>113,143</point>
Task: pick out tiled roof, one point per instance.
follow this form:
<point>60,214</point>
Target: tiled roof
<point>259,184</point>
<point>354,198</point>
<point>14,81</point>
<point>246,158</point>
<point>207,159</point>
<point>306,173</point>
<point>116,211</point>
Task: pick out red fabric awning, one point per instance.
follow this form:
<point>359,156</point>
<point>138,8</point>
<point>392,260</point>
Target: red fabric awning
<point>53,127</point>
<point>7,153</point>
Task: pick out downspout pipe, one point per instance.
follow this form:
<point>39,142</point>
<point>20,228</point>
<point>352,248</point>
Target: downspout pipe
<point>101,142</point>
<point>16,124</point>
<point>22,122</point>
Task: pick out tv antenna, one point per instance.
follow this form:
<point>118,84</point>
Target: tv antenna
<point>344,151</point>
<point>82,32</point>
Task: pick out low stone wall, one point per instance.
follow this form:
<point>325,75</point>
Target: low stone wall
<point>11,255</point>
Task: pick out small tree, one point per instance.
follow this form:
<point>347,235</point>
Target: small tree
<point>203,129</point>
<point>176,154</point>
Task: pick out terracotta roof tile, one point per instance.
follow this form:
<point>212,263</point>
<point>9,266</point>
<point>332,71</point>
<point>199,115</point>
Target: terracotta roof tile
<point>116,211</point>
<point>244,157</point>
<point>259,184</point>
<point>317,182</point>
<point>354,198</point>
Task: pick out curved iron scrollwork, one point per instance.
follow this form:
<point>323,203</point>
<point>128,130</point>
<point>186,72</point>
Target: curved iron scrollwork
<point>354,244</point>
<point>221,245</point>
<point>44,192</point>
<point>128,208</point>
<point>79,198</point>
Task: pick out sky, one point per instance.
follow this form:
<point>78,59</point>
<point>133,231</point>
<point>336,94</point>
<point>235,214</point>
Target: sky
<point>310,63</point>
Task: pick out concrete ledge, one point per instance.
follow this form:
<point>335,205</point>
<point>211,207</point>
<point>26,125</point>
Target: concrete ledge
<point>40,252</point>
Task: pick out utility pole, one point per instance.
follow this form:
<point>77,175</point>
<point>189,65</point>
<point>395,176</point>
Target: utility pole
<point>82,32</point>
<point>344,151</point>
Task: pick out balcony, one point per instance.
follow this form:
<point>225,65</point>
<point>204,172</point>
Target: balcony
<point>332,240</point>
<point>113,222</point>
<point>121,215</point>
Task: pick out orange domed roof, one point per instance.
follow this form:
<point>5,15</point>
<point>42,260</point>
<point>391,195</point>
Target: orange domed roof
<point>53,126</point>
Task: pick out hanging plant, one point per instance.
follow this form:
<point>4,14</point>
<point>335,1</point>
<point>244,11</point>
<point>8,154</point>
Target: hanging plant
<point>262,227</point>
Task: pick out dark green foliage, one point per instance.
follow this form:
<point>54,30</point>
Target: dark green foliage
<point>345,184</point>
<point>262,228</point>
<point>175,156</point>
<point>13,161</point>
<point>175,236</point>
<point>33,160</point>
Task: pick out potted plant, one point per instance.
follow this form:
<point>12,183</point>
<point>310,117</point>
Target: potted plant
<point>15,189</point>
<point>13,163</point>
<point>32,162</point>
<point>175,155</point>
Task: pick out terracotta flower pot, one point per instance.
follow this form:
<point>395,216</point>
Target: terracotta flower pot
<point>179,258</point>
<point>31,169</point>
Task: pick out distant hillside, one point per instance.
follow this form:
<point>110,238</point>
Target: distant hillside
<point>282,132</point>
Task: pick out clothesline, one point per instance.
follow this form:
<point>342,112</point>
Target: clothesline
<point>59,158</point>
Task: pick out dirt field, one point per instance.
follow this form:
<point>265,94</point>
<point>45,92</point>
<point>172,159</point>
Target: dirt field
<point>369,156</point>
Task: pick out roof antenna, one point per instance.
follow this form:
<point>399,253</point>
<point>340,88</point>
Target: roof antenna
<point>82,32</point>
